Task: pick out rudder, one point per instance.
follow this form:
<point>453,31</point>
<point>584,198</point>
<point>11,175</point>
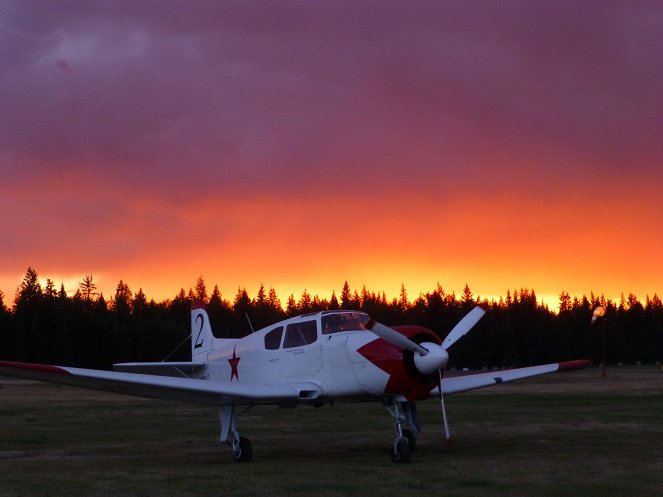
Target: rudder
<point>202,338</point>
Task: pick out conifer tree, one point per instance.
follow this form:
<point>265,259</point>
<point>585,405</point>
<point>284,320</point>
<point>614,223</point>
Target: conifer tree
<point>49,289</point>
<point>564,302</point>
<point>139,302</point>
<point>29,291</point>
<point>215,298</point>
<point>273,302</point>
<point>467,297</point>
<point>261,298</point>
<point>291,306</point>
<point>333,302</point>
<point>403,302</point>
<point>88,289</point>
<point>346,297</point>
<point>220,315</point>
<point>305,303</point>
<point>200,291</point>
<point>122,299</point>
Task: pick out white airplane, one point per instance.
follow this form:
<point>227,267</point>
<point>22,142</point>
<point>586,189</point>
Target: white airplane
<point>311,359</point>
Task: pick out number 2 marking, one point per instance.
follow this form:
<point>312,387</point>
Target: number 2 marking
<point>200,338</point>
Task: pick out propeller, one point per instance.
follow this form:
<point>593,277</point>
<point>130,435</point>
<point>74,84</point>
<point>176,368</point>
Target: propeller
<point>430,357</point>
<point>458,331</point>
<point>463,326</point>
<point>395,338</point>
<point>444,411</point>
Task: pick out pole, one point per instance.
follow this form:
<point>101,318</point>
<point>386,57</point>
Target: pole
<point>599,312</point>
<point>603,346</point>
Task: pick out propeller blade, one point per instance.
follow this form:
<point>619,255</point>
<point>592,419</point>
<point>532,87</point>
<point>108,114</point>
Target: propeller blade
<point>444,411</point>
<point>463,326</point>
<point>395,338</point>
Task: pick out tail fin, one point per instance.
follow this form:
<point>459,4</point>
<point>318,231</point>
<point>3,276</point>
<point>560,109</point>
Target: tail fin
<point>202,338</point>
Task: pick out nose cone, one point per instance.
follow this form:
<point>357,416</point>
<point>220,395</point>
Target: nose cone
<point>436,358</point>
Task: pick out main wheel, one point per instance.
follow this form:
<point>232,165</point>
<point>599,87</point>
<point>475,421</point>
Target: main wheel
<point>400,452</point>
<point>243,452</point>
<point>411,439</point>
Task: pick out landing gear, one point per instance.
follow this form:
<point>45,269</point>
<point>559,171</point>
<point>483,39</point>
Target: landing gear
<point>405,441</point>
<point>240,446</point>
<point>241,449</point>
<point>411,439</point>
<point>401,451</point>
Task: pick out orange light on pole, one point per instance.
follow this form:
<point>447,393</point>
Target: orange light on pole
<point>599,312</point>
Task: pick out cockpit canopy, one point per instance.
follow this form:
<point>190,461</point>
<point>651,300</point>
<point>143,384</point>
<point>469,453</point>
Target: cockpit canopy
<point>337,321</point>
<point>303,330</point>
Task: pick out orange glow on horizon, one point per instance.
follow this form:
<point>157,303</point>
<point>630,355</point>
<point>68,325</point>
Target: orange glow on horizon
<point>506,251</point>
<point>493,243</point>
<point>163,288</point>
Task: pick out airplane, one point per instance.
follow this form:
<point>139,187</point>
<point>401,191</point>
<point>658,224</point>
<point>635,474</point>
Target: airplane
<point>312,359</point>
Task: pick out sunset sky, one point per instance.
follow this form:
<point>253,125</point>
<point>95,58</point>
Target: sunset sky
<point>502,144</point>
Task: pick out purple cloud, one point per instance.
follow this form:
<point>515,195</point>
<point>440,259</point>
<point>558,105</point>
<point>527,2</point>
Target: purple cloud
<point>119,116</point>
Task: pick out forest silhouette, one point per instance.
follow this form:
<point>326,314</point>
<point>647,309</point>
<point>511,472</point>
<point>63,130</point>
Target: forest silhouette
<point>45,325</point>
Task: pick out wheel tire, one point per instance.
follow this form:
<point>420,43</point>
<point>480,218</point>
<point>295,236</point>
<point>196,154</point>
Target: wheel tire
<point>244,451</point>
<point>401,452</point>
<point>411,440</point>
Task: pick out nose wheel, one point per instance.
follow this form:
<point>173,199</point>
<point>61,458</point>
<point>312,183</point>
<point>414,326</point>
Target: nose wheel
<point>411,439</point>
<point>405,440</point>
<point>401,451</point>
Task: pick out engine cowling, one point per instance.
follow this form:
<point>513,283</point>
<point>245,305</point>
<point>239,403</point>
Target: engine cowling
<point>410,374</point>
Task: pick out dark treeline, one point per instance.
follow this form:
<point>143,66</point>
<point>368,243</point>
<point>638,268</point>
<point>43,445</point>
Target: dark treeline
<point>46,325</point>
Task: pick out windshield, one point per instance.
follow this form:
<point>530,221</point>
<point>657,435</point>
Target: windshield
<point>343,321</point>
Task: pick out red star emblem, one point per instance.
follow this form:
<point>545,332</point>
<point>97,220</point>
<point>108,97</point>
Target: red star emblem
<point>234,361</point>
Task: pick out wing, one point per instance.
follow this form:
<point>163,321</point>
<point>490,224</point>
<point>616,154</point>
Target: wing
<point>457,384</point>
<point>158,387</point>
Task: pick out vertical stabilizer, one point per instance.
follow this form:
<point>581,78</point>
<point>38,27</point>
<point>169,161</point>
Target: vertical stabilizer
<point>202,338</point>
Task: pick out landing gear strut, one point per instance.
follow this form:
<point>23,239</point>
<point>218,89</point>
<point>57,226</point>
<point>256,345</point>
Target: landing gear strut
<point>240,446</point>
<point>405,441</point>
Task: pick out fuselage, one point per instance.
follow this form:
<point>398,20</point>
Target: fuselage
<point>331,354</point>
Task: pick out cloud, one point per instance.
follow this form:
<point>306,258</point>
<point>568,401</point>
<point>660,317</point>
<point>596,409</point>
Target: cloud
<point>139,131</point>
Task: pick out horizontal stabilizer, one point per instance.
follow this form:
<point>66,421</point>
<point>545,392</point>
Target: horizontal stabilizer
<point>176,369</point>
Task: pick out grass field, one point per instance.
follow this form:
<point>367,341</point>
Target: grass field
<point>571,434</point>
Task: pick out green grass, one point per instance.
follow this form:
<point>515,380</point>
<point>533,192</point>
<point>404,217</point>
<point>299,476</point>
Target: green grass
<point>518,441</point>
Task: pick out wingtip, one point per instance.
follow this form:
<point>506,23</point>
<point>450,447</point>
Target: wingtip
<point>577,364</point>
<point>44,368</point>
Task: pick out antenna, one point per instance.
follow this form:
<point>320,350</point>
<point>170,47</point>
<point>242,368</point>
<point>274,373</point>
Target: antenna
<point>175,349</point>
<point>249,320</point>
